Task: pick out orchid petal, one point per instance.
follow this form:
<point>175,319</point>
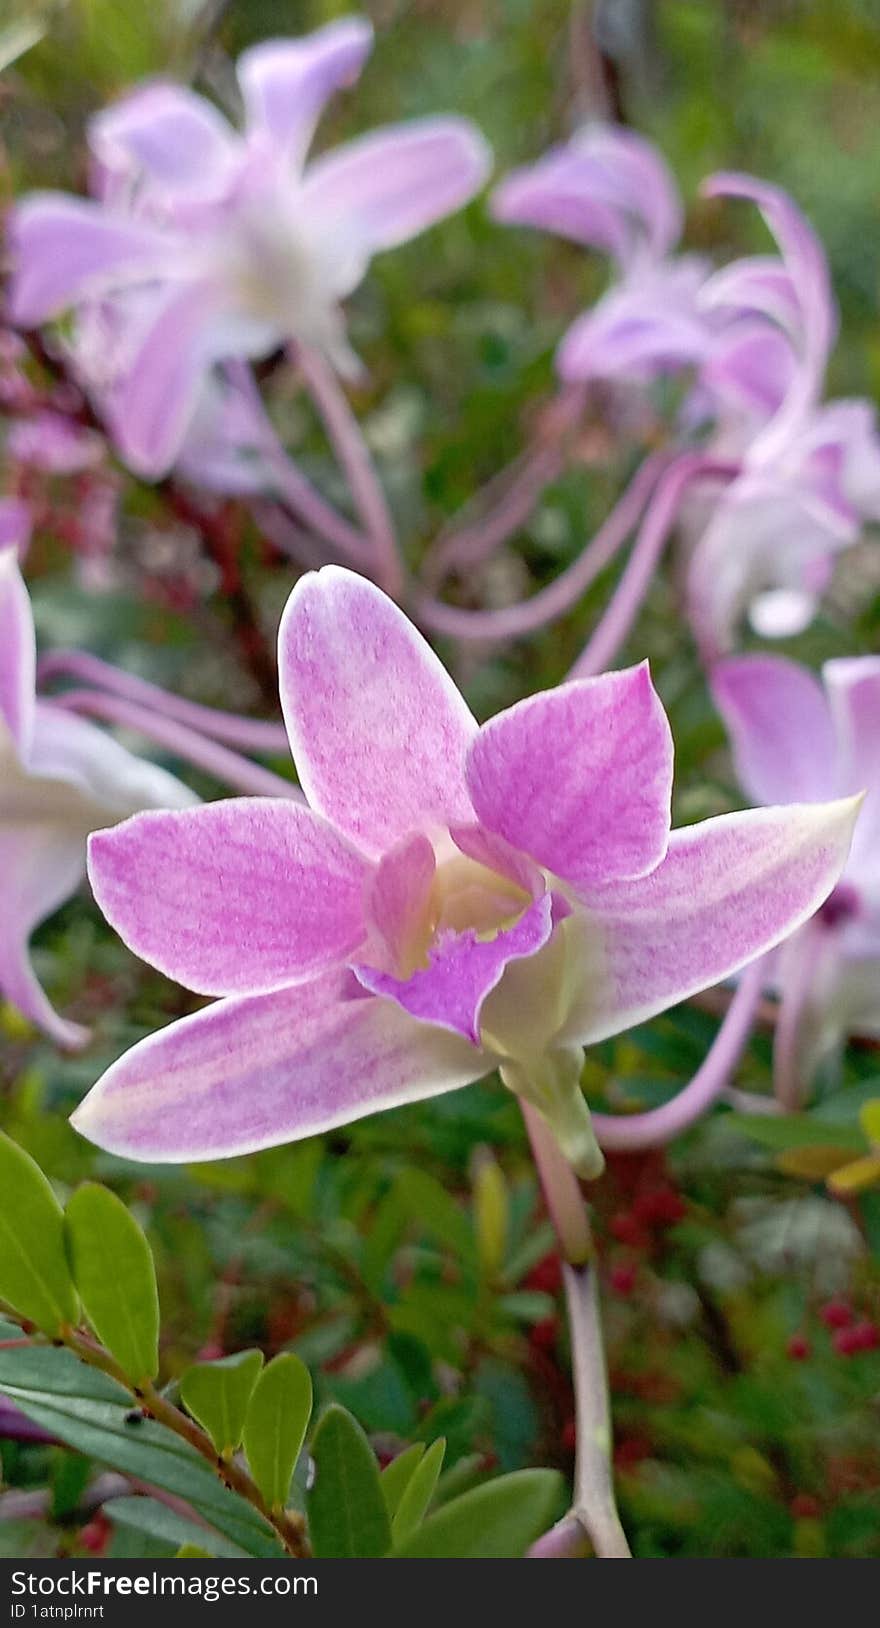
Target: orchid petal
<point>41,862</point>
<point>604,747</point>
<point>728,890</point>
<point>779,724</point>
<point>65,248</point>
<point>15,523</point>
<point>462,970</point>
<point>18,653</point>
<point>256,1071</point>
<point>750,367</point>
<point>87,764</point>
<point>236,897</point>
<point>157,399</point>
<point>853,687</point>
<point>178,139</point>
<point>635,332</point>
<point>285,83</point>
<point>806,264</point>
<point>398,899</point>
<point>607,188</point>
<point>377,728</point>
<point>764,534</point>
<point>386,187</point>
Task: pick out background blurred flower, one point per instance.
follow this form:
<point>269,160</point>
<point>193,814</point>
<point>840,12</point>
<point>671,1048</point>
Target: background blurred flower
<point>206,245</point>
<point>60,778</point>
<point>795,741</point>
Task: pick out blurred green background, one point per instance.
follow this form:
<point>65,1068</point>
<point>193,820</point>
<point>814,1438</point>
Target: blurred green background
<point>368,1251</point>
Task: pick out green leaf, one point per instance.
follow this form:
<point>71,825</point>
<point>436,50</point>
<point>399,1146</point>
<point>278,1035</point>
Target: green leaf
<point>395,1477</point>
<point>275,1425</point>
<point>348,1519</point>
<point>34,1275</point>
<point>112,1266</point>
<point>218,1393</point>
<point>94,1415</point>
<point>418,1493</point>
<point>427,1202</point>
<point>780,1131</point>
<point>158,1521</point>
<point>497,1521</point>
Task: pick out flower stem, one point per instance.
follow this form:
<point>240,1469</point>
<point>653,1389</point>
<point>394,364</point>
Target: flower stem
<point>624,604</point>
<point>288,1524</point>
<point>348,442</point>
<point>514,621</point>
<point>249,734</point>
<point>593,1505</point>
<point>631,1133</point>
<point>217,760</point>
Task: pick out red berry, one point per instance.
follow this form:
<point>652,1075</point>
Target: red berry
<point>569,1435</point>
<point>799,1348</point>
<point>659,1207</point>
<point>96,1535</point>
<point>847,1341</point>
<point>866,1335</point>
<point>622,1278</point>
<point>543,1334</point>
<point>625,1228</point>
<point>804,1507</point>
<point>836,1314</point>
<point>546,1275</point>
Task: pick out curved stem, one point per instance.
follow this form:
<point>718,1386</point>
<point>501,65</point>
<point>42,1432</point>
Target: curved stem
<point>345,435</point>
<point>593,1505</point>
<point>313,510</point>
<point>185,743</point>
<point>558,597</point>
<point>251,734</point>
<point>623,607</point>
<point>520,486</point>
<point>630,1133</point>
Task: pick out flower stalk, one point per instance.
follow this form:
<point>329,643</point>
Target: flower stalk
<point>593,1510</point>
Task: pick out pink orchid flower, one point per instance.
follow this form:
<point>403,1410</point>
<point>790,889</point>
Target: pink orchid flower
<point>610,190</point>
<point>207,245</point>
<point>454,899</point>
<point>60,778</point>
<point>810,474</point>
<point>797,740</point>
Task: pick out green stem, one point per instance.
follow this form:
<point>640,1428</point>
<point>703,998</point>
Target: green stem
<point>593,1503</point>
<point>289,1525</point>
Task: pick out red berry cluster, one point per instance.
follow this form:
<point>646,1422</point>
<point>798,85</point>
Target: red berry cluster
<point>850,1335</point>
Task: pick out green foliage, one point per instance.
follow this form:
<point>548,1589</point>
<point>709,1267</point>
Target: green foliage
<point>497,1521</point>
<point>275,1424</point>
<point>112,1267</point>
<point>92,1414</point>
<point>348,1516</point>
<point>218,1393</point>
<point>34,1275</point>
<point>413,1503</point>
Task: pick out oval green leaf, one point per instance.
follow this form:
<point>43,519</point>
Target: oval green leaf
<point>35,1278</point>
<point>396,1476</point>
<point>348,1517</point>
<point>275,1425</point>
<point>418,1492</point>
<point>497,1521</point>
<point>112,1266</point>
<point>217,1394</point>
